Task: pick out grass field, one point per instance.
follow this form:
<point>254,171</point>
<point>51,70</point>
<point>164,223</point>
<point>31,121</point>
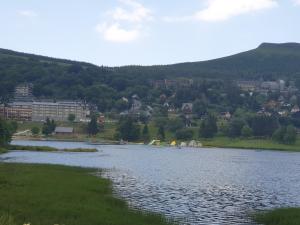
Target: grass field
<point>47,195</point>
<point>224,142</point>
<point>280,217</point>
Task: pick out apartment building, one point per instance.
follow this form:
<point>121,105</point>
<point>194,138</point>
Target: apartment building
<point>20,111</point>
<point>59,111</point>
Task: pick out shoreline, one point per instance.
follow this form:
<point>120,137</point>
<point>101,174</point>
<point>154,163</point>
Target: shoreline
<point>222,143</point>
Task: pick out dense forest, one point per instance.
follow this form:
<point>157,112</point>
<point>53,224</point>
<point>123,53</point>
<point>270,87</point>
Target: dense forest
<point>104,86</point>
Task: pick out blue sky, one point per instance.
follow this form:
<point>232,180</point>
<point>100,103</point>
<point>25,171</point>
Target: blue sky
<point>145,32</point>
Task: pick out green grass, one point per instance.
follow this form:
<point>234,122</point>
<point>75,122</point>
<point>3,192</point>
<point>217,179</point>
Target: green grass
<point>47,195</point>
<point>48,149</point>
<point>279,217</point>
<point>3,150</point>
<point>224,142</point>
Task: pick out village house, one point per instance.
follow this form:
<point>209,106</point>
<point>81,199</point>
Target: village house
<point>295,109</point>
<point>187,108</point>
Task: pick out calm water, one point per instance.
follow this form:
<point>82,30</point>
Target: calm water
<point>195,186</point>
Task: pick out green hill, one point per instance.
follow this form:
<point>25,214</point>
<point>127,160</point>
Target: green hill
<point>269,61</point>
<point>59,78</point>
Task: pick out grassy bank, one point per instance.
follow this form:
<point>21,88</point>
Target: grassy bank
<point>268,144</point>
<point>47,195</point>
<point>280,217</point>
<point>48,149</point>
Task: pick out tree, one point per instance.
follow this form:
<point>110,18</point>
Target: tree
<point>285,135</point>
<point>145,134</point>
<point>199,108</point>
<point>93,127</point>
<point>71,118</point>
<point>235,127</point>
<point>279,134</point>
<point>6,132</point>
<point>208,127</point>
<point>290,136</point>
<point>175,124</point>
<point>246,131</point>
<point>48,127</point>
<point>128,129</point>
<point>184,134</point>
<point>263,125</point>
<point>161,133</point>
<point>35,131</point>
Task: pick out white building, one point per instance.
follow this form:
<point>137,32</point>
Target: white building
<point>59,111</point>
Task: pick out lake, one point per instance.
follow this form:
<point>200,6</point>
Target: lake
<point>194,186</point>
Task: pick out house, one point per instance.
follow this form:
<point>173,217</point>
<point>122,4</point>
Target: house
<point>283,113</point>
<point>248,85</point>
<point>64,130</point>
<point>187,108</point>
<point>226,115</point>
<point>295,109</point>
<point>136,106</point>
<point>271,104</point>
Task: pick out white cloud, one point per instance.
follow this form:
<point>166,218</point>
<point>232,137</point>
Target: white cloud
<point>219,10</point>
<point>297,2</point>
<point>27,13</point>
<point>125,23</point>
<point>136,13</point>
<point>115,33</point>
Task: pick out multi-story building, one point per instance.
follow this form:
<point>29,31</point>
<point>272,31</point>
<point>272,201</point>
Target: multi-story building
<point>59,111</point>
<point>23,93</point>
<point>20,111</point>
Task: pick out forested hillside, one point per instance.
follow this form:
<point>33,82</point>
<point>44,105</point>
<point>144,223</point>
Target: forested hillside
<point>65,79</point>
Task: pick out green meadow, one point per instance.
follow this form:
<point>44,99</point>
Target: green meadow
<point>48,195</point>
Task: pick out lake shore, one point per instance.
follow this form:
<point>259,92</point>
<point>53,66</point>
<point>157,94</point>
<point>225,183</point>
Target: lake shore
<point>47,194</point>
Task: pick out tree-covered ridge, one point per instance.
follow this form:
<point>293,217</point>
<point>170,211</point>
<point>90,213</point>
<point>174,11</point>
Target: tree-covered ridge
<point>104,86</point>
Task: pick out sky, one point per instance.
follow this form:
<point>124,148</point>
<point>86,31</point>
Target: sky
<point>145,32</point>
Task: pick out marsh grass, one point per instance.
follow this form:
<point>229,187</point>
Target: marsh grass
<point>47,195</point>
<point>289,216</point>
<point>48,149</point>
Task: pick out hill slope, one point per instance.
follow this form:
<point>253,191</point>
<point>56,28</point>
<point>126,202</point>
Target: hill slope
<point>59,78</point>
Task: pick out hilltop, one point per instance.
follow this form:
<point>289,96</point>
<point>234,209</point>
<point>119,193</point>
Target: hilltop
<point>267,61</point>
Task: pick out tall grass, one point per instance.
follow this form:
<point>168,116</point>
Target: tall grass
<point>6,219</point>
